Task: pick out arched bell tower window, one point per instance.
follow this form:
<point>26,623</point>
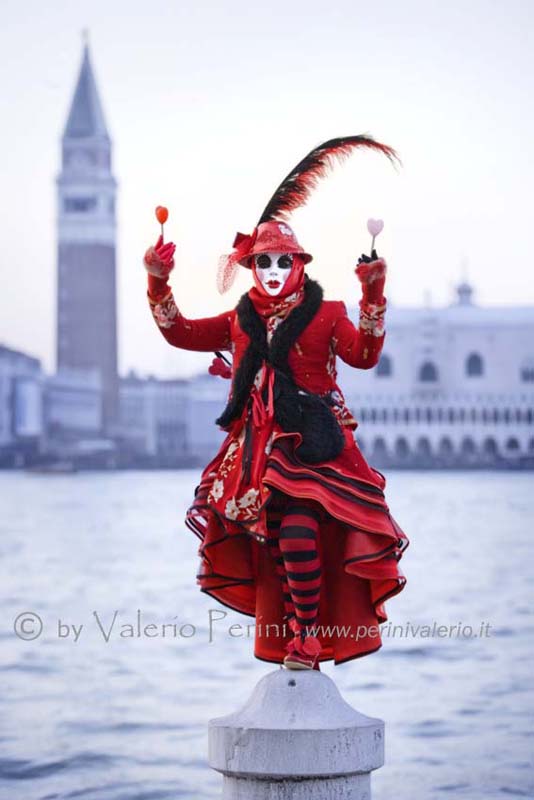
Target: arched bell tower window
<point>79,204</point>
<point>474,366</point>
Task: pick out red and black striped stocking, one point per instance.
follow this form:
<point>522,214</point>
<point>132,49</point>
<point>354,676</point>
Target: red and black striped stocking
<point>298,543</point>
<point>274,532</point>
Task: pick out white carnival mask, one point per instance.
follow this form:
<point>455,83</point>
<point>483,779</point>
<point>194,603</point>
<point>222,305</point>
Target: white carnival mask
<point>273,270</point>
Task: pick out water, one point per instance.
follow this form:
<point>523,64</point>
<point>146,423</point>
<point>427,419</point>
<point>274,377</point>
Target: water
<point>126,719</point>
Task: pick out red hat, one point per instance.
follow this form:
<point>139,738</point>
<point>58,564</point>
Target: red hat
<point>268,237</point>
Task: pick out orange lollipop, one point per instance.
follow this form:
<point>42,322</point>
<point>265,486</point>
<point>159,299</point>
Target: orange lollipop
<point>162,215</point>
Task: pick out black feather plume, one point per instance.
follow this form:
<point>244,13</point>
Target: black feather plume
<point>296,187</point>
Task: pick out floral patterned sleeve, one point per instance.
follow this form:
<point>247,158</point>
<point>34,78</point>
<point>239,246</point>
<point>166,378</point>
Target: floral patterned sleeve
<point>360,346</point>
<point>208,334</point>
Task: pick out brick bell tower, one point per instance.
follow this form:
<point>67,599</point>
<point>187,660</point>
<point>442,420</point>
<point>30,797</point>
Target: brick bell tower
<point>86,283</point>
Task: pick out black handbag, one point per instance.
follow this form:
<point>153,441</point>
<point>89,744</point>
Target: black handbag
<point>299,411</point>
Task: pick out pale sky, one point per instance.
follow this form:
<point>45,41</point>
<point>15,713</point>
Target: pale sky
<point>209,104</point>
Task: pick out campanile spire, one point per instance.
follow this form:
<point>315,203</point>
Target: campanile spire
<point>86,286</point>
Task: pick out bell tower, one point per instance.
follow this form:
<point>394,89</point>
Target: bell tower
<point>86,281</point>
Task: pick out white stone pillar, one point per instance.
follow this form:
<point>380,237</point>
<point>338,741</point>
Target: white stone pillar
<point>296,738</point>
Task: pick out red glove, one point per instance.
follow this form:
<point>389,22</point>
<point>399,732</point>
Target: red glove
<point>159,263</point>
<point>372,274</point>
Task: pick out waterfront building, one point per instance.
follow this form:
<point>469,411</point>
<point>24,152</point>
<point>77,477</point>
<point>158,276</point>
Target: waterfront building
<point>454,387</point>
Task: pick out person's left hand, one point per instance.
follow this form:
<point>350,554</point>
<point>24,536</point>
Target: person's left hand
<point>367,259</point>
<point>371,272</point>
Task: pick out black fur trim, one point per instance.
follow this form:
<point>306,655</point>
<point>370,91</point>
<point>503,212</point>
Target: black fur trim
<point>295,409</point>
<point>258,351</point>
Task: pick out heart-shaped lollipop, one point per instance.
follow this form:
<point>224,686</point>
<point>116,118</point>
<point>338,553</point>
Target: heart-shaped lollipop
<point>162,215</point>
<point>374,226</point>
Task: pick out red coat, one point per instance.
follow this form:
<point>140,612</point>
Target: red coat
<point>331,333</point>
<point>360,542</point>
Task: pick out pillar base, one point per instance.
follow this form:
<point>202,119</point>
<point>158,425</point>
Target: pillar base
<point>296,738</point>
<point>355,787</point>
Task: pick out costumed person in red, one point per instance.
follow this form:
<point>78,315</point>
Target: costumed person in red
<point>293,523</point>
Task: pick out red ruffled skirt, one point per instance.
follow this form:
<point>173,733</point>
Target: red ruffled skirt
<point>240,497</point>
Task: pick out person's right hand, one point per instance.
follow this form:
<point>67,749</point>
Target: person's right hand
<point>159,260</point>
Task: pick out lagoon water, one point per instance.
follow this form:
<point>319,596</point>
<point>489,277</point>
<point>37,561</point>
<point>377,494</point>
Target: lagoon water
<point>126,719</point>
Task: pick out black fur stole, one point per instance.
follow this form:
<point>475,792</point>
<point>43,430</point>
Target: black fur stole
<point>296,410</point>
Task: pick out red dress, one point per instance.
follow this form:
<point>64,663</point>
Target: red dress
<point>234,508</point>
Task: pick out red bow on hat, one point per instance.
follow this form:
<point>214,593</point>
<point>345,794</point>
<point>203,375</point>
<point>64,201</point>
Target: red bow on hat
<point>243,244</point>
<point>228,264</point>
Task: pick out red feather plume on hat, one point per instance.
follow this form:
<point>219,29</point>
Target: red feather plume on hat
<point>295,190</point>
<point>298,185</point>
